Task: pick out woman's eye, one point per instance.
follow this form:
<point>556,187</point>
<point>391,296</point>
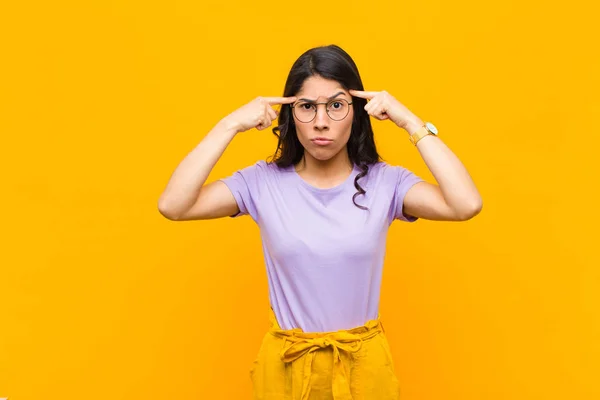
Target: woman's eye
<point>306,106</point>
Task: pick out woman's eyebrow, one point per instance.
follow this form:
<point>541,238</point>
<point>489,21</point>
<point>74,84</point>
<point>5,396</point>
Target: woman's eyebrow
<point>330,98</point>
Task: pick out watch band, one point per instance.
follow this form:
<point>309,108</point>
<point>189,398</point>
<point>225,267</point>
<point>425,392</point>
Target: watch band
<point>419,134</point>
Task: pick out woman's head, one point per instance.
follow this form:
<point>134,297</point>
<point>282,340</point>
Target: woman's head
<point>316,76</point>
<point>323,111</point>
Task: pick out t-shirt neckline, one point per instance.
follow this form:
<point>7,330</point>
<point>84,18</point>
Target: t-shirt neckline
<point>332,189</point>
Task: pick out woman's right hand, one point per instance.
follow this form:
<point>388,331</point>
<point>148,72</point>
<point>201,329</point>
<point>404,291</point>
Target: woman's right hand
<point>256,114</point>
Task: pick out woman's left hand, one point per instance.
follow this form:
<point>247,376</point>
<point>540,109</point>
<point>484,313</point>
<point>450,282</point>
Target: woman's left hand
<point>383,105</point>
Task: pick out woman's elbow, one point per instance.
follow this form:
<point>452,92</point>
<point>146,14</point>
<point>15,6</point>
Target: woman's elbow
<point>470,210</point>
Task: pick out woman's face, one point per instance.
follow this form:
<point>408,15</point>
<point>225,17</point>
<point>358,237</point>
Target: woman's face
<point>335,134</point>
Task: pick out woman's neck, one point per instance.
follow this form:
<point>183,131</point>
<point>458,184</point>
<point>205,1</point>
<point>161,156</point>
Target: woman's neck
<point>325,172</point>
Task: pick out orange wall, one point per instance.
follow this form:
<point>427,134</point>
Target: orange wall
<point>103,298</point>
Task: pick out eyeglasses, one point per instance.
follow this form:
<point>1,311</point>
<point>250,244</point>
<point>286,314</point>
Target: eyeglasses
<point>336,109</point>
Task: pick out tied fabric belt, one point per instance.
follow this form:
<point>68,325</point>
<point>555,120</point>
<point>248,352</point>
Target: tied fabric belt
<point>299,343</point>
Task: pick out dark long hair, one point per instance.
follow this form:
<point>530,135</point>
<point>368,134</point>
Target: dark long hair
<point>328,62</point>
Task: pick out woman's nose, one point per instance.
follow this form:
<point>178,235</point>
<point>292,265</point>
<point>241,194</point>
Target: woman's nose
<point>321,119</point>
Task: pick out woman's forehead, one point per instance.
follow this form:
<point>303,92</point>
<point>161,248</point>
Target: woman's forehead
<point>314,95</point>
<point>315,88</point>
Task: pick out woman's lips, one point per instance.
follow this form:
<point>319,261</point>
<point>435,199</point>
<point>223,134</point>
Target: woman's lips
<point>322,142</point>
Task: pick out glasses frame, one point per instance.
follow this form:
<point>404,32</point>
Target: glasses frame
<point>317,109</point>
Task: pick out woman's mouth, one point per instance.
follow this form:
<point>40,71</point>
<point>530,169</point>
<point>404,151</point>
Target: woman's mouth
<point>321,141</point>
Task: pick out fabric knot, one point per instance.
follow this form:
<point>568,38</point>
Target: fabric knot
<point>297,344</point>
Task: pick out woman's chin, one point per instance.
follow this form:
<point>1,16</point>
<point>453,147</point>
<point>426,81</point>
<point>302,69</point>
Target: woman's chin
<point>322,155</point>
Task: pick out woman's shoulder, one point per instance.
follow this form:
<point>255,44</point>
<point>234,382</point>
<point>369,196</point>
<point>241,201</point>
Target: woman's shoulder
<point>260,166</point>
<point>385,167</point>
<point>380,168</point>
<point>264,170</point>
<point>384,172</point>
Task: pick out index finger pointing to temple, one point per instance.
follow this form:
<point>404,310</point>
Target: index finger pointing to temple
<point>280,100</point>
<point>363,94</point>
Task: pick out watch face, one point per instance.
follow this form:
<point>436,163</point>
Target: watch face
<point>432,128</point>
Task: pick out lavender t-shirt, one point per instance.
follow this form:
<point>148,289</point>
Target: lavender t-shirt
<point>324,256</point>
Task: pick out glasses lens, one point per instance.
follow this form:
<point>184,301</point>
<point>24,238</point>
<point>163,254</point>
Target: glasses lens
<point>338,109</point>
<point>305,112</point>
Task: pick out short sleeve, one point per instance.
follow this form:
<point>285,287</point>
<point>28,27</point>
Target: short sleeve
<point>244,187</point>
<point>405,179</point>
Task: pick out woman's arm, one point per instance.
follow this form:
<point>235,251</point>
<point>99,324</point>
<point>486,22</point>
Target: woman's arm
<point>455,197</point>
<point>185,196</point>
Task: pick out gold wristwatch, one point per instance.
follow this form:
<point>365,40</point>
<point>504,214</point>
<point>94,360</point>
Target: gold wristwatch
<point>427,129</point>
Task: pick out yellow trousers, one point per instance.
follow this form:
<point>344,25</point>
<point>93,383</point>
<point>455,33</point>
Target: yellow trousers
<point>353,364</point>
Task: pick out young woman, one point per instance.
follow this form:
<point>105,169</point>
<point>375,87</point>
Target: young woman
<point>324,205</point>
